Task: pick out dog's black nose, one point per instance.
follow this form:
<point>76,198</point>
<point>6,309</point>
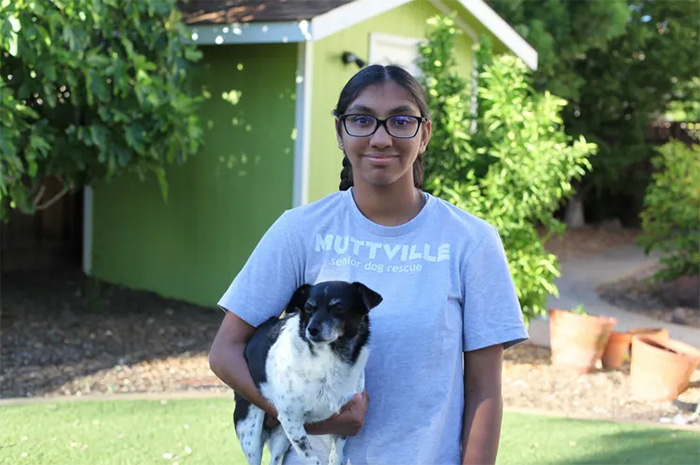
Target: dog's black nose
<point>314,332</point>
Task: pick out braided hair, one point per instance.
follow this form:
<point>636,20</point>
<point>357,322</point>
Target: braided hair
<point>372,75</point>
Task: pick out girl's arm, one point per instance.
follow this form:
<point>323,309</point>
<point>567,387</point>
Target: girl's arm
<point>227,361</point>
<point>483,407</point>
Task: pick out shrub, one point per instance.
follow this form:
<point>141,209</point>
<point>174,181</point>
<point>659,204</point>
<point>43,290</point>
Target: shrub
<point>502,155</point>
<point>671,215</point>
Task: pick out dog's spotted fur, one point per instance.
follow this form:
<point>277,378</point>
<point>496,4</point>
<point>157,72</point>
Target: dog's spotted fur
<point>308,365</point>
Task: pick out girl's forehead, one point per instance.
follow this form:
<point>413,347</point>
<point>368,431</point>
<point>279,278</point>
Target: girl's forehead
<point>384,97</point>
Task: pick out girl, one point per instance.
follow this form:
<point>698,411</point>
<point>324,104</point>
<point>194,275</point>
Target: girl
<point>449,309</point>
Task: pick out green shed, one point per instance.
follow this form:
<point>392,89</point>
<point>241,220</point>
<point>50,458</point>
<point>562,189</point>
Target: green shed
<point>274,70</point>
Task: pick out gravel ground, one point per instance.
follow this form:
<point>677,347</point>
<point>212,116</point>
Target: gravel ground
<point>56,340</point>
<point>677,301</point>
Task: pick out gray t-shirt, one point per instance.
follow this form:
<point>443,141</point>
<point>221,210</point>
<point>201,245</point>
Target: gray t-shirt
<point>446,289</point>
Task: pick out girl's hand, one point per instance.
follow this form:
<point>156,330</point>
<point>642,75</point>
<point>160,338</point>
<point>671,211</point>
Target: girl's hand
<point>347,422</point>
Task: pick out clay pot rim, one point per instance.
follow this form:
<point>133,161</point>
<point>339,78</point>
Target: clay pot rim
<point>645,331</point>
<point>607,319</point>
<point>681,349</point>
<point>624,335</point>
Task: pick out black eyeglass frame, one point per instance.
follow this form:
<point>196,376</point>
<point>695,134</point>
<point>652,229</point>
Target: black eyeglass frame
<point>382,122</point>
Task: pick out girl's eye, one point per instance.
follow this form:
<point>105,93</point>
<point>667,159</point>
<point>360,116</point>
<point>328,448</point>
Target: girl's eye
<point>362,120</point>
<point>401,121</point>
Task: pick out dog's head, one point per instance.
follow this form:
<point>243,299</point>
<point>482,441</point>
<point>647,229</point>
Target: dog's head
<point>332,309</point>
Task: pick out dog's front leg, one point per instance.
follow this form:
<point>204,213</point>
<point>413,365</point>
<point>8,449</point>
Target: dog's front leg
<point>337,446</point>
<point>294,429</point>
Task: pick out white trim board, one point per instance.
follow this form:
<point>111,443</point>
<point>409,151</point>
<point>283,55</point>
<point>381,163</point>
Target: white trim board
<point>302,124</point>
<point>348,15</point>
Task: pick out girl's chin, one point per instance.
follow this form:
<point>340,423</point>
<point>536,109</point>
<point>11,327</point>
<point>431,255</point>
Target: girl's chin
<point>383,179</point>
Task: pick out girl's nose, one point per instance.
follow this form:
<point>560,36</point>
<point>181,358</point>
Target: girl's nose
<point>381,137</point>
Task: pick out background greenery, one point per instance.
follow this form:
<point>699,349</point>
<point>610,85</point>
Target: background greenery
<point>500,152</point>
<point>89,90</point>
<point>620,64</point>
<point>671,215</point>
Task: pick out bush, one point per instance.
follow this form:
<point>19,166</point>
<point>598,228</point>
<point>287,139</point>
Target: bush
<point>671,215</point>
<point>502,155</point>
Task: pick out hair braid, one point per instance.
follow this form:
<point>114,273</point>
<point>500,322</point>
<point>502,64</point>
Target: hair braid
<point>346,181</point>
<point>418,172</point>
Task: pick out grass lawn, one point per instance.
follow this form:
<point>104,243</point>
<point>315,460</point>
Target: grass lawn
<point>146,432</point>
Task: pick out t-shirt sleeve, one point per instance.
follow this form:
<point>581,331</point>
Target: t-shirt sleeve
<point>268,279</point>
<point>492,313</point>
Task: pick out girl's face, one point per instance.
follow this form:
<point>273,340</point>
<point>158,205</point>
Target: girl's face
<point>380,159</point>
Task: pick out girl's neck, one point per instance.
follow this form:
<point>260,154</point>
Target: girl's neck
<point>391,205</point>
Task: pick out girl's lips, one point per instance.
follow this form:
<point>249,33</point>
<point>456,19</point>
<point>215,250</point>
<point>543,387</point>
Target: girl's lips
<point>379,159</point>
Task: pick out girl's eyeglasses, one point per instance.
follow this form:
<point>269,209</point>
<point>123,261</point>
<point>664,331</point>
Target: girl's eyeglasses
<point>399,126</point>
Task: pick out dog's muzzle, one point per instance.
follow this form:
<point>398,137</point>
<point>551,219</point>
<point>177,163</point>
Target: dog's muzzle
<point>321,333</point>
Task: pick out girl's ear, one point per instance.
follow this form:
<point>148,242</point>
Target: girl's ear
<point>338,133</point>
<point>426,131</point>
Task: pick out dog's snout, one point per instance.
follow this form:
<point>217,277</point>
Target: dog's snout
<point>320,331</point>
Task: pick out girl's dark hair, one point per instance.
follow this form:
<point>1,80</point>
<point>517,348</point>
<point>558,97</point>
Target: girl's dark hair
<point>369,76</point>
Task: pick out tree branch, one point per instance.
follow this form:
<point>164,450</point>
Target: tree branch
<point>51,201</point>
<point>39,194</point>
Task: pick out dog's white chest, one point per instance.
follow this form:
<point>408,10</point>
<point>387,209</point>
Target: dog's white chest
<point>309,383</point>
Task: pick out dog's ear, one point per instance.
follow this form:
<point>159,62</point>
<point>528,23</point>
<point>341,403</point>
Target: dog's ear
<point>296,303</point>
<point>370,298</point>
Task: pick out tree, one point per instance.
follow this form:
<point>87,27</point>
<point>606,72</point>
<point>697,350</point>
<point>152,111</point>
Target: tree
<point>620,64</point>
<point>515,167</point>
<point>90,90</point>
<point>631,84</point>
<point>563,32</point>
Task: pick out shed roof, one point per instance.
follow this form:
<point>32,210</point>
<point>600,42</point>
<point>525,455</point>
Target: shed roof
<point>271,21</point>
<point>245,11</point>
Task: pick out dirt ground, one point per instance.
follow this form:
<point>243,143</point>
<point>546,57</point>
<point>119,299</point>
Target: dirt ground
<point>62,334</point>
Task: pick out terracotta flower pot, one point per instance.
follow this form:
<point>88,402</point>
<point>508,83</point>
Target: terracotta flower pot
<point>617,350</point>
<point>578,341</point>
<point>656,333</point>
<point>660,370</point>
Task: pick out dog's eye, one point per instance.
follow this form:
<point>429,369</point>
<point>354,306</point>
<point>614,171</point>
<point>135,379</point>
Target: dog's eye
<point>308,308</point>
<point>337,308</point>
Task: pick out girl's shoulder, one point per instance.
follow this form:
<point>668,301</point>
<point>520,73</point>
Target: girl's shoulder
<point>318,209</point>
<point>451,216</point>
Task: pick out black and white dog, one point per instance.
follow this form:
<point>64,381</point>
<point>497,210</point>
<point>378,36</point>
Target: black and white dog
<point>308,364</point>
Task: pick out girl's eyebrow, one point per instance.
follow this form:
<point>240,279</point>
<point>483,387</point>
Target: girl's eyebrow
<point>393,111</point>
